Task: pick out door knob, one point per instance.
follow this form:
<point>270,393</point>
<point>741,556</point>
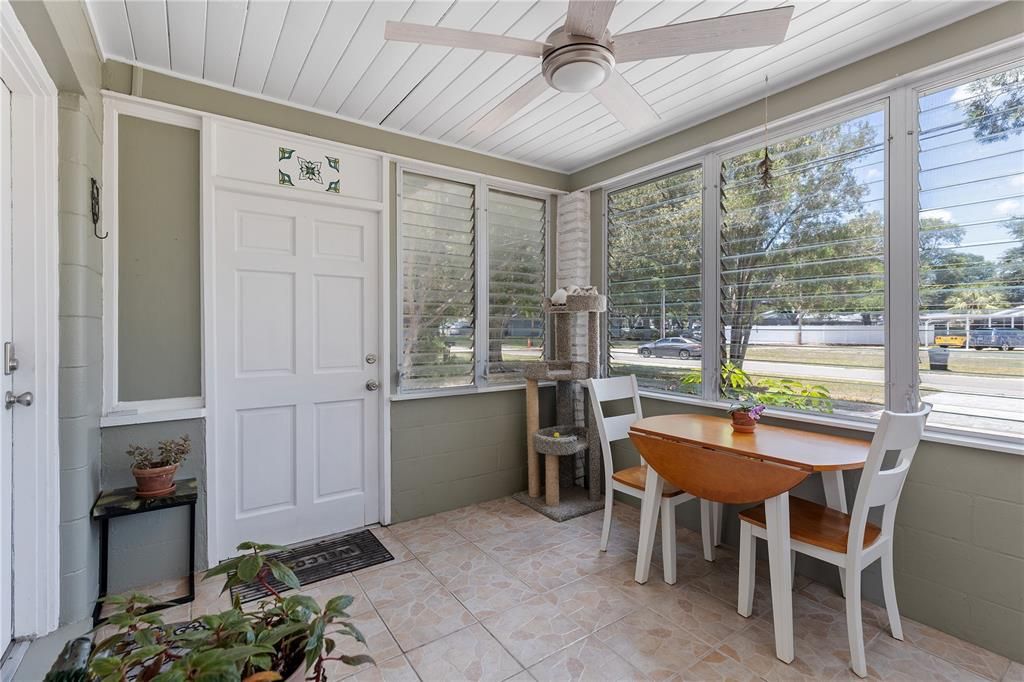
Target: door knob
<point>372,385</point>
<point>24,399</point>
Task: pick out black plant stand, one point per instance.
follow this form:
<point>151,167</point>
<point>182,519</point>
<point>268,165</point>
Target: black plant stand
<point>123,502</point>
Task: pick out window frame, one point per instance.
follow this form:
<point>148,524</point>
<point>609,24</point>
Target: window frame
<point>482,184</point>
<point>897,99</point>
<point>114,411</point>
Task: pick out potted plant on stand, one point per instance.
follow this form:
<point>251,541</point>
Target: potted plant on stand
<point>281,638</point>
<point>154,473</point>
<point>745,415</point>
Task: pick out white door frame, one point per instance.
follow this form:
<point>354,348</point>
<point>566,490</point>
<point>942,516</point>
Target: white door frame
<point>36,467</point>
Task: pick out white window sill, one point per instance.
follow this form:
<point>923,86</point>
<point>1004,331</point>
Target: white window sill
<point>934,435</point>
<point>462,390</point>
<point>129,417</point>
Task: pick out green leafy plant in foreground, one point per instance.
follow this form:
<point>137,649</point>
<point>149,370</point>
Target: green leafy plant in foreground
<point>263,644</point>
<point>739,385</point>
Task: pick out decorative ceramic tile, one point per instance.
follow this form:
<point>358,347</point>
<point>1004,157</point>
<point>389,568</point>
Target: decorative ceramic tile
<point>399,551</point>
<point>426,535</point>
<point>717,666</point>
<point>697,611</point>
<point>964,654</point>
<point>1015,673</point>
<point>483,587</point>
<point>294,168</point>
<point>723,581</point>
<point>413,603</point>
<point>469,654</point>
<point>891,660</point>
<point>511,548</point>
<point>591,604</point>
<point>568,562</point>
<point>487,523</point>
<point>396,583</point>
<point>379,644</point>
<point>324,590</point>
<point>820,659</point>
<point>396,669</point>
<point>587,661</point>
<point>652,645</point>
<point>873,614</point>
<point>533,630</point>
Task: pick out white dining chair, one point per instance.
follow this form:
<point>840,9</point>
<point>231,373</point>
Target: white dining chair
<point>632,480</point>
<point>848,541</point>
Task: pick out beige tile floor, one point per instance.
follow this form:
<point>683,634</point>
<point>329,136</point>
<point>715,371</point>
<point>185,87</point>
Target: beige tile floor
<point>498,592</point>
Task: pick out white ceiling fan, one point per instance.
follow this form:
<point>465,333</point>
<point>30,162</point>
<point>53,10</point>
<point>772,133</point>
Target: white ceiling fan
<point>581,56</point>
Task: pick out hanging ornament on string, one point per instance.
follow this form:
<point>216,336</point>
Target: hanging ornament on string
<point>764,168</point>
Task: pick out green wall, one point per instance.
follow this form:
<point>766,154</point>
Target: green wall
<point>159,302</point>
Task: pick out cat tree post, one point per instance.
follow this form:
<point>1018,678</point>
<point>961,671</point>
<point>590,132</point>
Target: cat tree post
<point>532,425</point>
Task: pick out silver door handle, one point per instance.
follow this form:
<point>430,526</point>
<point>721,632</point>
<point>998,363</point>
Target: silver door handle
<point>372,385</point>
<point>24,399</point>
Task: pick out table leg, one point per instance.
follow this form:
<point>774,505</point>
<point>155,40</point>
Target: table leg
<point>649,507</point>
<point>835,497</point>
<point>104,545</point>
<point>779,546</point>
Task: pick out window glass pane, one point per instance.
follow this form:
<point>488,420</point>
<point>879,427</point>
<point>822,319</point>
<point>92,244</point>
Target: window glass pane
<point>971,184</point>
<point>802,271</point>
<point>654,259</point>
<point>438,284</point>
<point>516,283</point>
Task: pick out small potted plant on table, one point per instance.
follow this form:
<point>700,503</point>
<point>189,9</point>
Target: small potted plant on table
<point>154,473</point>
<point>745,415</point>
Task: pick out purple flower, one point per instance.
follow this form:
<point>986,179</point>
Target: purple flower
<point>755,412</point>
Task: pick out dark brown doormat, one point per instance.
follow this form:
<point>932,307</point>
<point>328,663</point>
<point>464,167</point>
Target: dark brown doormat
<point>320,560</point>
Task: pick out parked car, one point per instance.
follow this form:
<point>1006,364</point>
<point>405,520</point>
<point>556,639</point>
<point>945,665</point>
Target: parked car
<point>457,328</point>
<point>993,337</point>
<point>1004,339</point>
<point>672,347</point>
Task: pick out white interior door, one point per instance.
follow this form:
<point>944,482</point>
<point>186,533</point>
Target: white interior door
<point>297,317</point>
<point>7,384</point>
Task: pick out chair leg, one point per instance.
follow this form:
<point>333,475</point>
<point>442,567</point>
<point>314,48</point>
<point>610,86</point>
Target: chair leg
<point>668,536</point>
<point>748,569</point>
<point>854,624</point>
<point>719,510</point>
<point>792,568</point>
<point>707,530</point>
<point>889,590</point>
<point>606,529</point>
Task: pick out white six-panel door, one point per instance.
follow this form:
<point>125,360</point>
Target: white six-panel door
<point>297,315</point>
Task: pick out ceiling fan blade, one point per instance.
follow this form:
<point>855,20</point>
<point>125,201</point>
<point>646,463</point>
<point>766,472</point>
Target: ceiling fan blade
<point>508,107</point>
<point>453,37</point>
<point>589,17</point>
<point>749,29</point>
<point>625,103</point>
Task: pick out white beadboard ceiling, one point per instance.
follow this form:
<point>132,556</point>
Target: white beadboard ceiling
<point>332,57</point>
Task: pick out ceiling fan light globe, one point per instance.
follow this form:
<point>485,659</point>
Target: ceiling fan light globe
<point>582,76</point>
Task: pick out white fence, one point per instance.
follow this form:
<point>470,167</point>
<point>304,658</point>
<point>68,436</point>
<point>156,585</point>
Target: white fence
<point>817,335</point>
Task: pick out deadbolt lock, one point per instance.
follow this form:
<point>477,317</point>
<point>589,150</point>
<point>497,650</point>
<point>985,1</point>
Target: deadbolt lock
<point>371,358</point>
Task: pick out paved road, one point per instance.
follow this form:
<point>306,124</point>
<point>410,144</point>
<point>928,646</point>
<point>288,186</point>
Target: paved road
<point>1008,387</point>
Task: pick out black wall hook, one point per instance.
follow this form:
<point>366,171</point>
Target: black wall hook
<point>96,210</point>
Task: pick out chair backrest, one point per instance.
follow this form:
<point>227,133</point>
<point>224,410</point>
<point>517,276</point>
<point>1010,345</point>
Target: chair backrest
<point>877,488</point>
<point>611,429</point>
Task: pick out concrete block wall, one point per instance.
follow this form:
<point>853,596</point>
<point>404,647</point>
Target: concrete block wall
<point>81,355</point>
<point>453,451</point>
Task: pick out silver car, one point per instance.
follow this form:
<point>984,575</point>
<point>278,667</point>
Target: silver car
<point>681,347</point>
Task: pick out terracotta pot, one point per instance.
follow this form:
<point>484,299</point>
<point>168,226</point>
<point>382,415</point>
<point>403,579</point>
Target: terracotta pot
<point>743,422</point>
<point>155,482</point>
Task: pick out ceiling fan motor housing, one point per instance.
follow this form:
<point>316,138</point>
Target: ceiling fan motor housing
<point>576,63</point>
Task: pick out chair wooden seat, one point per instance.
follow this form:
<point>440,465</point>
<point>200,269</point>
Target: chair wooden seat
<point>814,524</point>
<point>636,477</point>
